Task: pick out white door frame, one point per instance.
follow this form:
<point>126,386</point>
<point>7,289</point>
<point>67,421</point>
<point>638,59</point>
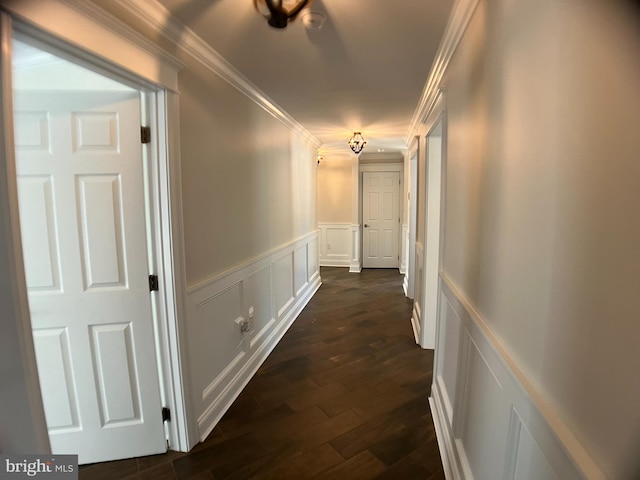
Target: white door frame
<point>164,190</point>
<point>409,281</point>
<point>381,167</point>
<point>434,223</point>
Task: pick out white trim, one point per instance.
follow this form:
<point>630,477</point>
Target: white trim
<point>415,324</point>
<point>156,16</point>
<point>177,384</point>
<point>458,22</point>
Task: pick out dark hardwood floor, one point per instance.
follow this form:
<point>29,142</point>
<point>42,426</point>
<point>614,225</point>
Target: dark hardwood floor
<point>343,396</point>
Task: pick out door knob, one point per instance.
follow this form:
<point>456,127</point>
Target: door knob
<point>366,225</point>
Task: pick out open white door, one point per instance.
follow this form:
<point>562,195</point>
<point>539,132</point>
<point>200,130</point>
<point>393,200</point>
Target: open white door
<point>82,214</point>
<point>381,219</point>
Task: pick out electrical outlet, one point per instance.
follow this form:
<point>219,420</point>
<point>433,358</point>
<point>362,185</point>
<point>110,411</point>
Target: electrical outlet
<point>243,323</point>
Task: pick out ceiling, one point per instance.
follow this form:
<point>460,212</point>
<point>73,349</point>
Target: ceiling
<point>364,70</point>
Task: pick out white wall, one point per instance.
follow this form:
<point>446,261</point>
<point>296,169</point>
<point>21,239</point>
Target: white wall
<point>248,183</point>
<point>541,239</point>
<point>334,192</point>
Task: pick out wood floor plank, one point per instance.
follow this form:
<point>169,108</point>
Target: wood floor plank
<point>317,395</point>
<point>363,466</point>
<point>328,430</point>
<point>305,465</point>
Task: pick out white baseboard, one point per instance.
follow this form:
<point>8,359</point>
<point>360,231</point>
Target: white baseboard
<point>415,324</point>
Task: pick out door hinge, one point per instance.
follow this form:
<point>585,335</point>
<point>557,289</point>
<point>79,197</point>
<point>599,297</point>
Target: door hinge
<point>145,134</point>
<point>166,414</point>
<point>154,283</point>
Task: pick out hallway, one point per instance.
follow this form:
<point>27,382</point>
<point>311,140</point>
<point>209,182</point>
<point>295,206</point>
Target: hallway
<point>342,396</point>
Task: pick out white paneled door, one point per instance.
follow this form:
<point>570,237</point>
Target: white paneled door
<point>381,219</point>
<point>82,213</point>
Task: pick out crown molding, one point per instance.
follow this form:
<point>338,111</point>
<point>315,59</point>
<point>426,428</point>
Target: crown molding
<point>157,17</point>
<point>456,26</point>
<point>107,20</point>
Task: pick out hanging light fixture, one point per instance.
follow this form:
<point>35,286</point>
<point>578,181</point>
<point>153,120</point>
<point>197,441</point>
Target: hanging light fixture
<point>357,142</point>
<point>279,12</point>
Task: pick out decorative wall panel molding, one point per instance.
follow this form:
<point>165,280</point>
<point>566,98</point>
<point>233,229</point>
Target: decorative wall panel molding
<point>335,244</point>
<point>490,421</point>
<point>265,295</point>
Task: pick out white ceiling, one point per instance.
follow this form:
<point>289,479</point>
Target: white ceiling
<point>364,70</point>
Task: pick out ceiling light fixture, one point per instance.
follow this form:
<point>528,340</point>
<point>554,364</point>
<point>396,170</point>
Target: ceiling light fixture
<point>357,142</point>
<point>279,12</point>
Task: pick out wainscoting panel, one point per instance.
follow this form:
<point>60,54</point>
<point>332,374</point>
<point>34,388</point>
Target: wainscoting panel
<point>283,276</point>
<point>490,421</point>
<point>259,296</point>
<point>335,244</point>
<point>265,295</point>
<point>525,459</point>
<point>214,319</point>
<point>482,415</point>
<point>312,259</point>
<point>447,350</point>
<point>300,275</point>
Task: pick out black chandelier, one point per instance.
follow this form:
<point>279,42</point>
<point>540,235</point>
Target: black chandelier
<point>277,14</point>
<point>357,142</point>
